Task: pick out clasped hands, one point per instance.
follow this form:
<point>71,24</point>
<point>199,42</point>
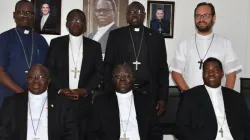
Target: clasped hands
<point>74,94</point>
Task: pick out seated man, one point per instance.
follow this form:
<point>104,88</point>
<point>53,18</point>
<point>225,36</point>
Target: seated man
<point>212,112</point>
<point>124,114</point>
<point>37,114</point>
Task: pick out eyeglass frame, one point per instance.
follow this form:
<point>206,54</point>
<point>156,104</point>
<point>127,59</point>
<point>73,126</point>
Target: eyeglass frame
<point>22,13</point>
<point>40,78</point>
<point>121,76</point>
<point>135,12</point>
<point>204,16</point>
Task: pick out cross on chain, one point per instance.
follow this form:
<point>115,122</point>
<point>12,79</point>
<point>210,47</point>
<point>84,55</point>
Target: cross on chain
<point>124,137</point>
<point>200,62</point>
<point>136,63</point>
<point>75,72</point>
<point>221,132</point>
<point>160,30</point>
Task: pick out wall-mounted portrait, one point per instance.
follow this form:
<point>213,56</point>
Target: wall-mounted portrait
<point>161,17</point>
<point>104,16</point>
<point>47,16</point>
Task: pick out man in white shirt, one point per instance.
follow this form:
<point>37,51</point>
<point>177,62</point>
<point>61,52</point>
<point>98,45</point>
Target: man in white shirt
<point>105,12</point>
<point>211,111</point>
<point>187,62</point>
<point>124,114</point>
<point>37,114</point>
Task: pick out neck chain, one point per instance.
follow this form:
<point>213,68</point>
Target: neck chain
<point>32,50</point>
<point>75,62</point>
<point>125,130</point>
<point>201,60</point>
<point>136,63</point>
<point>35,130</point>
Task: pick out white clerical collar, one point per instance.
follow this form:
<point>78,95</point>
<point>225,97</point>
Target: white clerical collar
<point>204,37</point>
<point>213,90</point>
<point>106,27</point>
<point>38,97</point>
<point>76,39</point>
<point>124,95</point>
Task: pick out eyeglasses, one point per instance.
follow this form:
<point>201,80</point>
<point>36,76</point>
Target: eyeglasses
<point>135,12</point>
<point>25,13</point>
<point>103,10</point>
<point>39,78</point>
<point>204,16</point>
<point>125,76</point>
<point>76,20</point>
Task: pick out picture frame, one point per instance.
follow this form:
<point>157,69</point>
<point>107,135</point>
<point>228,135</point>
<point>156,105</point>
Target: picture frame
<point>160,17</point>
<point>99,13</point>
<point>47,16</point>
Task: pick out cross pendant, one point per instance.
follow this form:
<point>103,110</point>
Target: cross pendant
<point>160,30</point>
<point>75,72</point>
<point>136,63</point>
<point>124,137</point>
<point>221,132</point>
<point>200,62</point>
<point>36,138</point>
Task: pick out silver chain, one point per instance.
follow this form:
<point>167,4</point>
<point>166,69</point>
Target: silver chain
<point>75,62</point>
<point>32,50</point>
<point>139,51</point>
<point>207,49</point>
<point>124,131</point>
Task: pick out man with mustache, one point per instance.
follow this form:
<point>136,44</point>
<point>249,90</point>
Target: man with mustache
<point>211,111</point>
<point>187,63</point>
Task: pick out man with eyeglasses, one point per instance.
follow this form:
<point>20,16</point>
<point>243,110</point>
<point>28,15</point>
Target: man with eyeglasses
<point>124,114</point>
<point>75,64</point>
<point>105,11</point>
<point>189,57</point>
<point>20,49</point>
<point>37,114</point>
<point>46,23</point>
<point>144,50</point>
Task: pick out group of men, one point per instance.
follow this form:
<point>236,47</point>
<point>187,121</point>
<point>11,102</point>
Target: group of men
<point>47,92</point>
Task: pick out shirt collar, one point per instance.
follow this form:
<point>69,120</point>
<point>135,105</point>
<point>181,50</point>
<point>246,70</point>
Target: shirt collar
<point>124,95</point>
<point>206,37</point>
<point>77,39</point>
<point>45,16</point>
<point>106,27</point>
<point>213,90</point>
<point>23,31</point>
<point>38,97</point>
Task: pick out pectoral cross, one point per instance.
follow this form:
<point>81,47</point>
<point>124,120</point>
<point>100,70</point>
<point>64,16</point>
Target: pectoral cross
<point>136,63</point>
<point>124,137</point>
<point>201,62</point>
<point>75,72</point>
<point>36,139</point>
<point>160,30</point>
<point>221,132</point>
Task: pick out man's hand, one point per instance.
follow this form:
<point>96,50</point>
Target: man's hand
<point>69,93</point>
<point>160,107</point>
<point>80,92</point>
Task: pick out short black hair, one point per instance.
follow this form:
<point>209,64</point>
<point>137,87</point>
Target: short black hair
<point>45,3</point>
<point>212,59</point>
<point>22,1</point>
<point>113,4</point>
<point>205,4</point>
<point>136,4</point>
<point>77,11</point>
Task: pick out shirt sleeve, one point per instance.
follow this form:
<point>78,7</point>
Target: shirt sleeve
<point>4,60</point>
<point>232,62</point>
<point>179,60</point>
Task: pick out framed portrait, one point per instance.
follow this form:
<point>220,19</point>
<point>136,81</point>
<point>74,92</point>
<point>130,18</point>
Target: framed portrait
<point>104,16</point>
<point>47,16</point>
<point>161,17</point>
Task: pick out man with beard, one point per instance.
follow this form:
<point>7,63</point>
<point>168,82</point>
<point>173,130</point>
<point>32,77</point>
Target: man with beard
<point>144,50</point>
<point>20,48</point>
<point>187,63</point>
<point>105,17</point>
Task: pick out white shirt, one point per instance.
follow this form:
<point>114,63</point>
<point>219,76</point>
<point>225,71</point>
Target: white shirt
<point>43,20</point>
<point>186,57</point>
<point>101,31</point>
<point>75,59</point>
<point>125,103</point>
<point>216,97</point>
<point>37,103</point>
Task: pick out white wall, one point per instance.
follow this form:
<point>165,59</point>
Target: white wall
<point>232,21</point>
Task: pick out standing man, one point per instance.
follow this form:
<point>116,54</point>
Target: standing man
<point>75,64</point>
<point>20,49</point>
<point>45,23</point>
<point>159,24</point>
<point>37,114</point>
<point>187,63</point>
<point>144,50</point>
<point>211,111</point>
<point>105,17</point>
